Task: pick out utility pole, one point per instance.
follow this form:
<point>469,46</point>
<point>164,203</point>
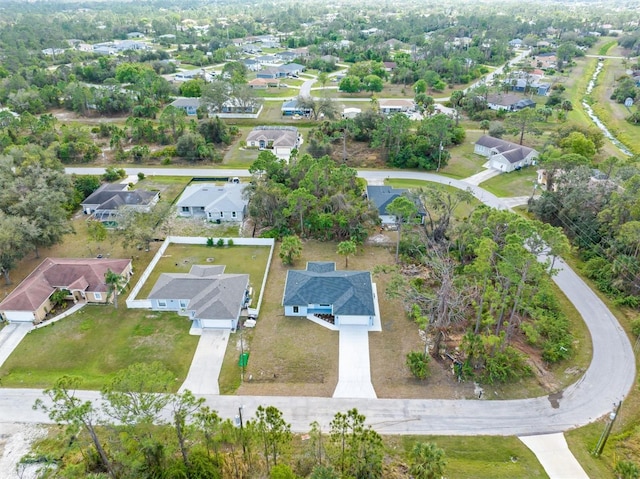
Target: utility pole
<point>607,430</point>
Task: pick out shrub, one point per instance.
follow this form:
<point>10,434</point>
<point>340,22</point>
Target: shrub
<point>220,242</point>
<point>229,242</point>
<point>165,161</point>
<point>210,242</point>
<point>418,363</point>
<point>141,176</point>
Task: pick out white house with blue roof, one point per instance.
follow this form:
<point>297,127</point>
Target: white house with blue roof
<point>339,297</point>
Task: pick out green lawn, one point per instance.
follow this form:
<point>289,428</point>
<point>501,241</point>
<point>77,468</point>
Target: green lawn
<point>179,258</point>
<point>98,341</point>
<point>464,162</point>
<point>515,183</point>
<point>276,92</point>
<point>482,457</point>
<point>170,187</point>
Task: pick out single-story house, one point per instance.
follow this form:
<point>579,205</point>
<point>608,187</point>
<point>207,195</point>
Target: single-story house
<point>390,66</point>
<point>280,139</point>
<point>351,112</point>
<point>291,68</point>
<point>104,50</point>
<point>339,297</point>
<point>252,65</point>
<point>192,75</point>
<point>292,107</point>
<point>53,51</point>
<point>396,105</point>
<point>189,105</point>
<point>381,196</point>
<point>261,83</point>
<point>504,155</point>
<point>83,278</point>
<point>205,295</point>
<point>105,203</point>
<point>135,35</point>
<point>219,203</point>
<point>287,56</point>
<point>131,45</point>
<point>301,52</point>
<point>267,59</point>
<point>516,43</point>
<point>271,72</point>
<point>509,102</point>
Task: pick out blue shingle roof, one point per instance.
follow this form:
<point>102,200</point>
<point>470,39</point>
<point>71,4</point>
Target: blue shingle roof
<point>349,292</point>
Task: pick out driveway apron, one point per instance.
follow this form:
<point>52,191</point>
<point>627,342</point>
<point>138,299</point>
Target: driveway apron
<point>207,362</point>
<point>354,377</point>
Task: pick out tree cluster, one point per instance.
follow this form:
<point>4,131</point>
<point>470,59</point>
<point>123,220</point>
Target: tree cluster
<point>141,430</point>
<point>309,197</point>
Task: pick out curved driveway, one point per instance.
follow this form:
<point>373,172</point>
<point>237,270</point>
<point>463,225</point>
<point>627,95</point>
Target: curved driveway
<point>608,379</point>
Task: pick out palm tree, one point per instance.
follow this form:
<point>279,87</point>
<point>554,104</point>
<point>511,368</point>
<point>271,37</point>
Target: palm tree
<point>116,284</point>
<point>427,461</point>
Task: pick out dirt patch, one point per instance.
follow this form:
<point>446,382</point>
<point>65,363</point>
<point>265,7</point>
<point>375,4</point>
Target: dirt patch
<point>15,442</point>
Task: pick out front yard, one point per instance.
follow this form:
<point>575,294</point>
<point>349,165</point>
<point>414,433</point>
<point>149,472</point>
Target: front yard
<point>98,341</point>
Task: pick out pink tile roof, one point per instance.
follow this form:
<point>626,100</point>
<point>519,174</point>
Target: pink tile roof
<point>85,274</point>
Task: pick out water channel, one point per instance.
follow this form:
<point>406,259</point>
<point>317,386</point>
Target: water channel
<point>594,117</point>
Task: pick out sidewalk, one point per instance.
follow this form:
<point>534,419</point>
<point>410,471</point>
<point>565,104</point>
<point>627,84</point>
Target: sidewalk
<point>553,453</point>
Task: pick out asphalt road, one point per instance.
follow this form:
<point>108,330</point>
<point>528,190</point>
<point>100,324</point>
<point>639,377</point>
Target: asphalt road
<point>608,379</point>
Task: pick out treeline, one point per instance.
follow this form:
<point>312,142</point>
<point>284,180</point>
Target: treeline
<point>142,431</point>
<point>600,212</point>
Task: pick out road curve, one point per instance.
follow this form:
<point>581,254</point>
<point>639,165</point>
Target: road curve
<point>607,380</point>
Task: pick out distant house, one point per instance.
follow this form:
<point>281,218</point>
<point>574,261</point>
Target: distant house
<point>267,59</point>
<point>509,102</point>
<point>189,105</point>
<point>291,68</point>
<point>351,112</point>
<point>396,105</point>
<point>287,56</point>
<point>516,43</point>
<point>339,297</point>
<point>218,203</point>
<point>393,43</point>
<point>205,295</point>
<point>104,50</point>
<point>293,107</point>
<point>261,83</point>
<point>135,35</point>
<point>251,64</point>
<point>281,140</point>
<point>106,203</point>
<point>390,66</point>
<point>131,45</point>
<point>192,75</point>
<point>235,106</point>
<point>382,196</point>
<point>270,73</point>
<point>504,155</point>
<point>52,51</point>
<point>83,279</point>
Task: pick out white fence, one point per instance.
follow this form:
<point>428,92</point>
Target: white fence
<point>134,303</point>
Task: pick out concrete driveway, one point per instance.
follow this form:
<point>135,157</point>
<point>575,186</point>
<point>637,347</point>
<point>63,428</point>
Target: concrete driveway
<point>10,337</point>
<point>354,377</point>
<point>553,453</point>
<point>207,362</point>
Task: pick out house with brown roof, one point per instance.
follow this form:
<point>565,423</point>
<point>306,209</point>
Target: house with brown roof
<point>281,140</point>
<point>82,278</point>
<point>504,155</point>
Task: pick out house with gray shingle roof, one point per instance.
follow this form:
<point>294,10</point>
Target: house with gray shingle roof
<point>206,295</point>
<point>281,140</point>
<point>83,278</point>
<point>219,203</point>
<point>339,297</point>
<point>105,204</point>
<point>504,155</point>
<point>382,196</point>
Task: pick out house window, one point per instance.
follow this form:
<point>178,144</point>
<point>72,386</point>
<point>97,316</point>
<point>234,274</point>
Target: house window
<point>162,303</point>
<point>185,209</point>
<point>296,309</point>
<point>97,296</point>
<point>233,214</point>
<point>183,304</point>
<point>222,214</point>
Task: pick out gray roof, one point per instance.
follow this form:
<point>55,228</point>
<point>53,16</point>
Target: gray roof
<point>209,292</point>
<point>512,152</point>
<point>112,196</point>
<point>350,292</point>
<point>186,102</point>
<point>291,67</point>
<point>228,197</point>
<point>381,196</point>
<point>280,136</point>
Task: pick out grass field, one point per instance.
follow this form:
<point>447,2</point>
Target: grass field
<point>98,341</point>
<point>515,183</point>
<point>464,162</point>
<point>479,457</point>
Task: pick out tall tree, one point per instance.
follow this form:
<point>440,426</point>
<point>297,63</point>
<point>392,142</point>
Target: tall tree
<point>116,284</point>
<point>523,121</point>
<point>346,249</point>
<point>404,210</point>
<point>290,249</point>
